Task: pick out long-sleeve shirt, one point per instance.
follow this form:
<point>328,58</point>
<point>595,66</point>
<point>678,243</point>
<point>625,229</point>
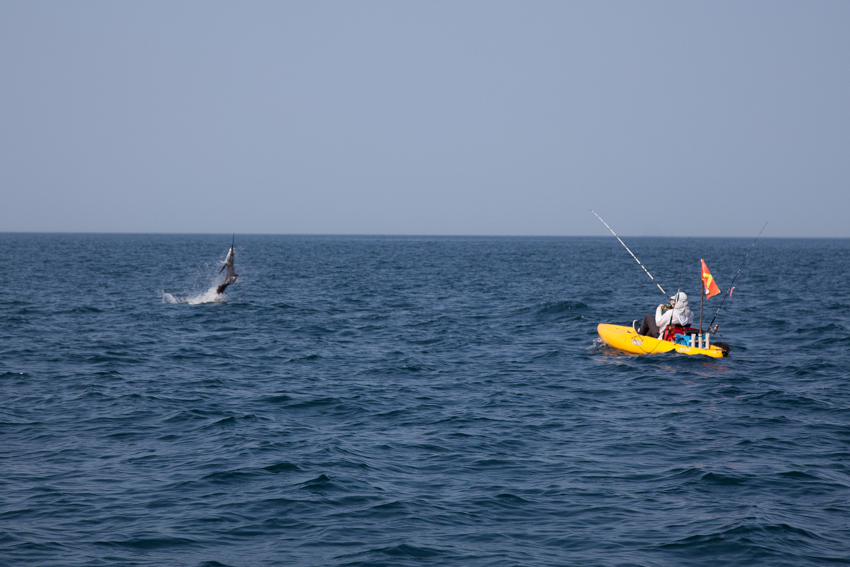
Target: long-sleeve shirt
<point>670,317</point>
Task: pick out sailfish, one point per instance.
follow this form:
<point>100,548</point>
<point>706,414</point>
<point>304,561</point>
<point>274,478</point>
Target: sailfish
<point>230,275</point>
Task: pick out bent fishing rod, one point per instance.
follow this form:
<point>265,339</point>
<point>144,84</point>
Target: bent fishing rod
<point>732,286</point>
<point>633,256</point>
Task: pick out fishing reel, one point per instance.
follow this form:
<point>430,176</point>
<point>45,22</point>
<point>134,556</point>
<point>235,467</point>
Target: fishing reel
<point>713,331</point>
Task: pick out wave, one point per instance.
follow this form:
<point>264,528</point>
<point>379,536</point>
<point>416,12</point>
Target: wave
<point>560,307</point>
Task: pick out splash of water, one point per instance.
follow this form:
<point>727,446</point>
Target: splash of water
<point>167,297</point>
<point>208,296</point>
<point>193,296</point>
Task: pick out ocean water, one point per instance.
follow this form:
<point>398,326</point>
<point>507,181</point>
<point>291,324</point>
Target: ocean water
<point>359,401</point>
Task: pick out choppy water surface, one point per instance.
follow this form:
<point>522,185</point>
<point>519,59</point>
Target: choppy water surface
<point>416,401</point>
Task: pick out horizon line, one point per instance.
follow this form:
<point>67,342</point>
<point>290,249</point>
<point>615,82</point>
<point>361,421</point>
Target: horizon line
<point>387,235</point>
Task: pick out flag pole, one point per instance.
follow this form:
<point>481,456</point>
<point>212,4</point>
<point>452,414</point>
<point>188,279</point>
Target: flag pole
<point>701,298</point>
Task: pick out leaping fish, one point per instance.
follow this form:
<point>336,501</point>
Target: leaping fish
<point>230,275</point>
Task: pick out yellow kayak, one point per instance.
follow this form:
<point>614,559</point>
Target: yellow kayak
<point>625,338</point>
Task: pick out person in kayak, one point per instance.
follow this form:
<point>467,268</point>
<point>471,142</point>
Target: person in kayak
<point>676,313</point>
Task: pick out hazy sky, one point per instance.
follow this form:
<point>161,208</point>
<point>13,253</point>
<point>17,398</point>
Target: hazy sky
<point>504,118</point>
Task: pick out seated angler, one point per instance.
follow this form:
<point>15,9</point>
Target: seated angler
<point>675,313</point>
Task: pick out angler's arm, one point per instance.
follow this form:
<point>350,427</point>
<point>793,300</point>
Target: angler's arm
<point>663,318</point>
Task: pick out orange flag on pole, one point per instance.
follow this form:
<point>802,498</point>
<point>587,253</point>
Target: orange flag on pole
<point>708,283</point>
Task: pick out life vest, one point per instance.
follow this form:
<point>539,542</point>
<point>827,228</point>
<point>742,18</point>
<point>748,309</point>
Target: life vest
<point>671,332</point>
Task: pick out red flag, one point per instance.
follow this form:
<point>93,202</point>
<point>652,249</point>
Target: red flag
<point>708,283</point>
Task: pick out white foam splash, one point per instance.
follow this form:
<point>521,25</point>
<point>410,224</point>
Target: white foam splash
<point>167,297</point>
<point>208,296</point>
<point>206,275</point>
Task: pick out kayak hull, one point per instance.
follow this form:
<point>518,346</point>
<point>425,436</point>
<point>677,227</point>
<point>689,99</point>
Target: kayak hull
<point>626,339</point>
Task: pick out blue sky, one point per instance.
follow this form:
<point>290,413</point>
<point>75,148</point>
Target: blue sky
<point>502,118</point>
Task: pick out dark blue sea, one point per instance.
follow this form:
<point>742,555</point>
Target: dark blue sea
<point>391,401</point>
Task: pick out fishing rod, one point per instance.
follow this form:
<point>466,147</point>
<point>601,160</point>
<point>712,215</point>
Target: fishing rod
<point>633,256</point>
<point>731,287</point>
<point>678,285</point>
